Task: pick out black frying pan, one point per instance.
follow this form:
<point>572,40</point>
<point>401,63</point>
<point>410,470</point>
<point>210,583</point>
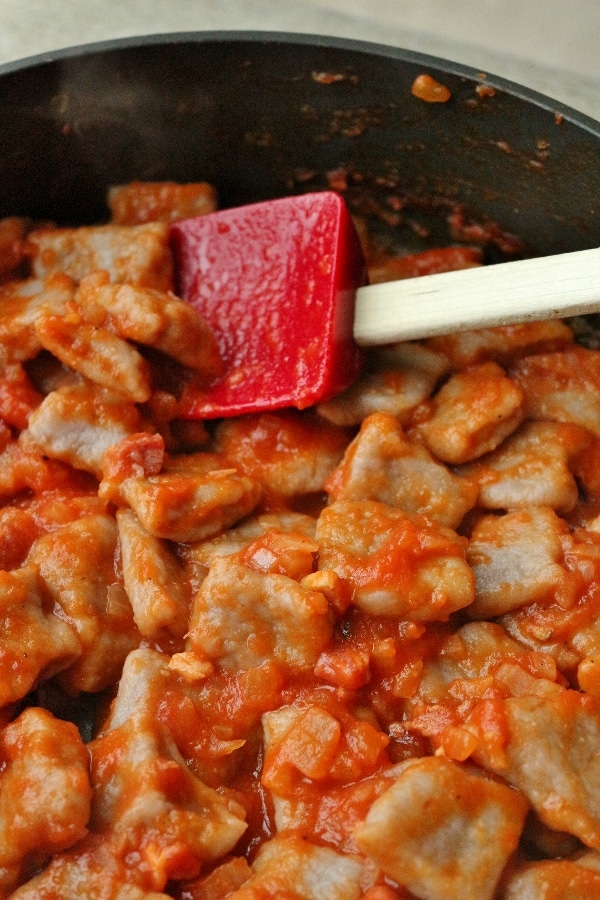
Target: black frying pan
<point>261,115</point>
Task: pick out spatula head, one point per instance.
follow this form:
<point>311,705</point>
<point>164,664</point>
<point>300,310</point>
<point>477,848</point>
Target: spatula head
<point>276,280</point>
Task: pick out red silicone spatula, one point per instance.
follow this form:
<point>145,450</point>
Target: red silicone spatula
<point>276,281</point>
<point>283,284</point>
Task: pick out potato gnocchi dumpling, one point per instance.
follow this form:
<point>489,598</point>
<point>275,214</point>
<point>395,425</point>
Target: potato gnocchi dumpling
<point>343,653</point>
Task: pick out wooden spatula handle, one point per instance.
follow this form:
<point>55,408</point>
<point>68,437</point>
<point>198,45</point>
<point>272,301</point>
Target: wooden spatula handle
<point>547,287</point>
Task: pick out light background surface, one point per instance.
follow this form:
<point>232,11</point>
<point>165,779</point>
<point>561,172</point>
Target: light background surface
<point>552,46</point>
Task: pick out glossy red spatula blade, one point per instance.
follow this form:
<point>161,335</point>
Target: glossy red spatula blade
<point>276,280</point>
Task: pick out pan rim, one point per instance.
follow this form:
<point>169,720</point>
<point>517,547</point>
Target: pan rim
<point>448,66</point>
